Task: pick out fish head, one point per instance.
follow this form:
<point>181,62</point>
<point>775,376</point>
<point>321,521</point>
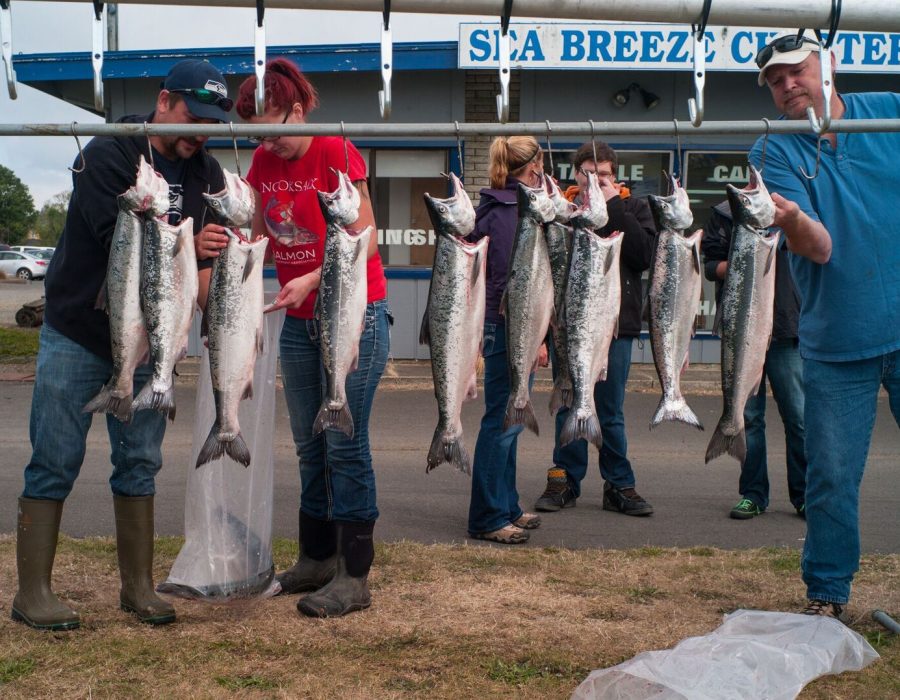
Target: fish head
<point>672,212</point>
<point>150,192</point>
<point>453,215</point>
<point>340,207</point>
<point>752,205</point>
<point>235,203</point>
<point>592,213</point>
<point>534,203</point>
<point>563,208</point>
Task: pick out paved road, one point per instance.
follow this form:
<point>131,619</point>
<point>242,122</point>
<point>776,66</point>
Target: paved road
<point>691,499</point>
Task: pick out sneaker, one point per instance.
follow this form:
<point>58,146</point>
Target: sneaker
<point>825,609</point>
<point>801,510</point>
<point>528,521</point>
<point>745,509</point>
<point>558,493</point>
<point>626,501</point>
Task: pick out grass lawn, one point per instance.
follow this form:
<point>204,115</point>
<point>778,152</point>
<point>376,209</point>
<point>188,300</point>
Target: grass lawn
<point>18,344</point>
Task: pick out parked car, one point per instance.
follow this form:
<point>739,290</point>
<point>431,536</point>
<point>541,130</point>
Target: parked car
<point>41,252</point>
<point>22,265</point>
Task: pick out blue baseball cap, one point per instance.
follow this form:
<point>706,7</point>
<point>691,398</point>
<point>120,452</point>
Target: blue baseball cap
<point>202,87</point>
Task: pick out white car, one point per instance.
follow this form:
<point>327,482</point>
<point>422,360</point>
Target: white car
<point>22,265</point>
<point>40,252</point>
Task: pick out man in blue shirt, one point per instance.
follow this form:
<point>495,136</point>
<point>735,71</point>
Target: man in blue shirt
<point>844,236</point>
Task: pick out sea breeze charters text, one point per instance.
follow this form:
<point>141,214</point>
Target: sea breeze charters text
<point>598,45</point>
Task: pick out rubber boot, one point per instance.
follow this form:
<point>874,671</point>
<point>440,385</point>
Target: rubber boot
<point>134,545</point>
<point>349,589</point>
<point>35,604</point>
<point>317,560</point>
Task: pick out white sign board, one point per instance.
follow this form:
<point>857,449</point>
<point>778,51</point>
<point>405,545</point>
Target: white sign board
<point>609,46</point>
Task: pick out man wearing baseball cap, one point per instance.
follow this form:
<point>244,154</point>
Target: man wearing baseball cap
<point>842,231</point>
<point>75,357</point>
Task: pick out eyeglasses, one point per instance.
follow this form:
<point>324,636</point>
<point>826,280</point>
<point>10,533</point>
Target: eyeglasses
<point>268,139</point>
<point>207,97</point>
<point>782,44</point>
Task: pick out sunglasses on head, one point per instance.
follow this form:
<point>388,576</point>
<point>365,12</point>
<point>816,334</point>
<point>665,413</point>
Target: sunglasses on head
<point>207,97</point>
<point>783,44</point>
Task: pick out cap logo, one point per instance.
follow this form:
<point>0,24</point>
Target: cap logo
<point>216,87</point>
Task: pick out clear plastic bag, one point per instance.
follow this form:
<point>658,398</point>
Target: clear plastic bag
<point>753,654</point>
<point>227,552</point>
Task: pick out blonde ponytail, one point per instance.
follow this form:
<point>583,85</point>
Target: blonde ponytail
<point>509,155</point>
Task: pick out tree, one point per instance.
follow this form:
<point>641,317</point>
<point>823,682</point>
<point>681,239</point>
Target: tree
<point>52,217</point>
<point>16,208</point>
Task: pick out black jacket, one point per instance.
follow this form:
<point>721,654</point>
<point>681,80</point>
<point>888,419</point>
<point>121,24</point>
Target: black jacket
<point>78,267</point>
<point>496,217</point>
<point>715,245</point>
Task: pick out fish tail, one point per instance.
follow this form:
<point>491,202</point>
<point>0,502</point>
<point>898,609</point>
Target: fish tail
<point>720,443</point>
<point>675,410</point>
<point>105,402</point>
<point>162,401</point>
<point>520,416</point>
<point>561,397</point>
<point>212,449</point>
<point>334,419</point>
<point>580,427</point>
<point>237,450</point>
<point>445,448</point>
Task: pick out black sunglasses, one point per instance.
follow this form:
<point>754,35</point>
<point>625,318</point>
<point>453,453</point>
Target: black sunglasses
<point>782,44</point>
<point>207,97</point>
<point>263,139</point>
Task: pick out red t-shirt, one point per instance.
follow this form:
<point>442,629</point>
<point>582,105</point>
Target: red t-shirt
<point>292,215</point>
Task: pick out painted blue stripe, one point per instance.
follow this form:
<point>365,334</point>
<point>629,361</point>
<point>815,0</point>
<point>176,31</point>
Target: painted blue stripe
<point>326,58</point>
<point>407,273</point>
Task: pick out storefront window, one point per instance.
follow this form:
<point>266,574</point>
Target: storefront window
<point>640,171</point>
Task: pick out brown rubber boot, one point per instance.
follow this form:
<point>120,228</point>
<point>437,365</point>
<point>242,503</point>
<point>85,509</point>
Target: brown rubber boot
<point>35,604</point>
<point>317,560</point>
<point>134,545</point>
<point>349,589</point>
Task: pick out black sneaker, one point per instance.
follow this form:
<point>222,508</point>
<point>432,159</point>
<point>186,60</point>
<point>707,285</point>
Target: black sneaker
<point>825,609</point>
<point>558,493</point>
<point>626,501</point>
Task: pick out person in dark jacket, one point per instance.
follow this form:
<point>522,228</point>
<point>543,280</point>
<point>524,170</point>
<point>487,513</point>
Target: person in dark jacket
<point>75,356</point>
<point>494,511</point>
<point>633,217</point>
<point>783,369</point>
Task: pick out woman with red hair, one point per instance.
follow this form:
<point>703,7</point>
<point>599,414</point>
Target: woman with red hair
<point>337,482</point>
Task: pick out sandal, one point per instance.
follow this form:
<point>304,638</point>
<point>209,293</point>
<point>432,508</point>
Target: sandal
<point>508,534</point>
<point>528,521</point>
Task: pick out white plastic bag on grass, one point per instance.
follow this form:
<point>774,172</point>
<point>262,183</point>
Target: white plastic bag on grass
<point>227,552</point>
<point>753,654</point>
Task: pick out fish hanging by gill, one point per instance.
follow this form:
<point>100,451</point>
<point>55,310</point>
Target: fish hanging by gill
<point>341,301</point>
<point>593,299</point>
<point>121,293</point>
<point>527,303</point>
<point>559,246</point>
<point>233,321</point>
<point>453,323</point>
<point>745,311</point>
<point>674,297</point>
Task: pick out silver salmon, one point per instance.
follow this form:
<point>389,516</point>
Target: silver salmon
<point>233,320</point>
<point>121,295</point>
<point>341,301</point>
<point>559,246</point>
<point>746,311</point>
<point>593,299</point>
<point>674,296</point>
<point>453,323</point>
<point>527,303</point>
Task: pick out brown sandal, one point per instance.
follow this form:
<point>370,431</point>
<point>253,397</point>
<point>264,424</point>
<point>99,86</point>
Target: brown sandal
<point>528,521</point>
<point>508,534</point>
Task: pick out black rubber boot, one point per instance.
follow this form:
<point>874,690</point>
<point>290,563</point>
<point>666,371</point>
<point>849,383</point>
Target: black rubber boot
<point>317,561</point>
<point>37,533</point>
<point>349,589</point>
<point>134,545</point>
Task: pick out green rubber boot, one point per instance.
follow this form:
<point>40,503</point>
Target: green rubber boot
<point>134,545</point>
<point>37,533</point>
<point>317,561</point>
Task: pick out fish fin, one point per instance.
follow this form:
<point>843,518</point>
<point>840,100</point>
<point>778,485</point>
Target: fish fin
<point>676,410</point>
<point>645,309</point>
<point>578,427</point>
<point>770,261</point>
<point>105,402</point>
<point>602,376</point>
<point>204,325</point>
<point>212,449</point>
<point>686,363</point>
<point>238,451</point>
<point>317,307</point>
<point>616,329</point>
<point>260,341</point>
<point>425,328</point>
<point>472,388</point>
<point>561,397</point>
<point>695,249</point>
<point>607,264</point>
<point>101,303</point>
<point>476,268</point>
<point>720,443</point>
<point>162,401</point>
<point>248,268</point>
<point>717,321</point>
<point>334,419</point>
<point>503,303</point>
<point>450,450</point>
<point>520,416</point>
<point>248,391</point>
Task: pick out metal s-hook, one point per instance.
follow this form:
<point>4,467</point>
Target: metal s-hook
<point>504,51</point>
<point>149,146</point>
<point>762,159</point>
<point>346,152</point>
<point>550,147</point>
<point>459,153</point>
<point>818,161</point>
<point>237,158</point>
<point>6,47</point>
<point>387,60</point>
<point>593,141</point>
<point>695,104</point>
<point>80,153</point>
<point>99,31</point>
<point>678,150</point>
<point>259,57</point>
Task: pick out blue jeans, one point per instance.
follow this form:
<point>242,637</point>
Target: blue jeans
<point>336,477</point>
<point>68,376</point>
<point>784,370</point>
<point>495,500</point>
<point>609,397</point>
<point>841,398</point>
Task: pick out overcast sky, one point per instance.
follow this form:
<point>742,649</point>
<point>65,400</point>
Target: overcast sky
<point>44,27</point>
